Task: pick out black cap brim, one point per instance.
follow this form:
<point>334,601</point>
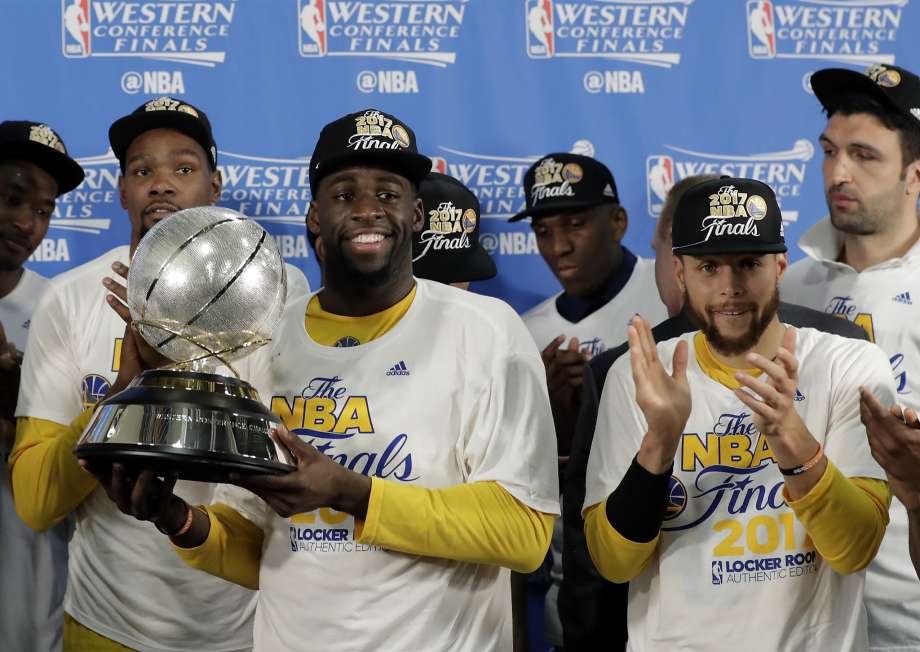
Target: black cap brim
<point>561,207</point>
<point>830,85</point>
<point>66,172</point>
<point>477,266</point>
<point>124,130</point>
<point>410,165</point>
<point>474,265</point>
<point>727,248</point>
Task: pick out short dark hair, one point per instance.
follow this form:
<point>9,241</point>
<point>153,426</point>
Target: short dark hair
<point>666,217</point>
<point>907,127</point>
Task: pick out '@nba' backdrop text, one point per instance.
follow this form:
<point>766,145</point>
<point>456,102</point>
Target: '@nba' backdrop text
<point>656,89</point>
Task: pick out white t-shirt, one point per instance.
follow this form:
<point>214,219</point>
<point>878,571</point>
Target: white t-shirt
<point>35,563</point>
<point>880,299</point>
<point>604,328</point>
<point>124,579</point>
<point>733,569</point>
<point>455,392</point>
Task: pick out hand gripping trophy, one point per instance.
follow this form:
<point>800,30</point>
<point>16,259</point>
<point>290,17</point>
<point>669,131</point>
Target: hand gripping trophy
<point>206,286</point>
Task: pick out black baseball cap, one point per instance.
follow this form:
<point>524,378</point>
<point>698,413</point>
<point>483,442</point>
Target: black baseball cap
<point>447,249</point>
<point>561,182</point>
<point>163,113</point>
<point>40,144</point>
<point>367,136</point>
<point>894,87</point>
<point>728,215</point>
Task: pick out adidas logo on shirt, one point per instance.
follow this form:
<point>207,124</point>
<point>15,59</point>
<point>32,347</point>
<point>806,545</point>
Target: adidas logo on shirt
<point>799,396</point>
<point>903,297</point>
<point>399,369</point>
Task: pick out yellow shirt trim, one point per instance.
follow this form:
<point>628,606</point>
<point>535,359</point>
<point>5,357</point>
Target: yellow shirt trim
<point>715,368</point>
<point>327,328</point>
<point>233,549</point>
<point>845,518</point>
<point>47,481</point>
<point>617,558</point>
<point>479,523</point>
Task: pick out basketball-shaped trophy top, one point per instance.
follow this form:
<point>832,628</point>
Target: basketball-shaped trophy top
<point>206,279</point>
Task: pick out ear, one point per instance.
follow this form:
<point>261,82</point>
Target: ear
<point>620,222</point>
<point>679,273</point>
<point>313,218</point>
<point>418,217</point>
<point>121,192</point>
<point>217,183</point>
<point>782,264</point>
<point>912,179</point>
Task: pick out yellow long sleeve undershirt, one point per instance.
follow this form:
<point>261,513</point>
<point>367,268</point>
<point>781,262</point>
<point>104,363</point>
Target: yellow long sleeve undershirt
<point>845,518</point>
<point>47,481</point>
<point>478,523</point>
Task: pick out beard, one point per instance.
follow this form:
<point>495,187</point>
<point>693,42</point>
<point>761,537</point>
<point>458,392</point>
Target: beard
<point>339,266</point>
<point>870,216</point>
<point>737,345</point>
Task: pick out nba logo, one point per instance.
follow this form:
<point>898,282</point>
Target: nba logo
<point>659,173</point>
<point>439,164</point>
<point>761,32</point>
<point>75,28</point>
<point>716,573</point>
<point>312,32</point>
<point>541,40</point>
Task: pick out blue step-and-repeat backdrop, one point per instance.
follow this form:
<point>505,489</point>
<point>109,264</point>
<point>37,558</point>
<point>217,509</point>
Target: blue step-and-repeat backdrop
<point>657,89</point>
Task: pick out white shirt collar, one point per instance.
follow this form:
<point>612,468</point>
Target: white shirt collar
<point>822,243</point>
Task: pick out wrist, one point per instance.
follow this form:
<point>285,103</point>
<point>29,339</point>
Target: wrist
<point>795,451</point>
<point>174,518</point>
<point>656,456</point>
<point>352,493</point>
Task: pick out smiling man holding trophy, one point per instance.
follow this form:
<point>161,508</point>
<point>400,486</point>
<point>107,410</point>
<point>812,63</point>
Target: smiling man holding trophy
<point>395,508</point>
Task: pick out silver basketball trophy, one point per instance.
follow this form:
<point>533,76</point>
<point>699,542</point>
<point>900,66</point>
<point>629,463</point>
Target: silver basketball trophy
<point>206,286</point>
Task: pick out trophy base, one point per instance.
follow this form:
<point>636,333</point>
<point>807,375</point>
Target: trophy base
<point>200,426</point>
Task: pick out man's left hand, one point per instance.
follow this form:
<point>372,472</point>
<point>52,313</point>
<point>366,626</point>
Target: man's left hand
<point>894,437</point>
<point>317,482</point>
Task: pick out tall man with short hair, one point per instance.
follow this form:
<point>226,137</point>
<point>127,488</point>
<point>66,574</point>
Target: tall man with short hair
<point>34,169</point>
<point>123,587</point>
<point>862,264</point>
<point>729,472</point>
<point>419,417</point>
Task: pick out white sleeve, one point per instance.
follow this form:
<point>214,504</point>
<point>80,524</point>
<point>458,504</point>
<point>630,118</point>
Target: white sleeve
<point>511,438</point>
<point>847,445</point>
<point>250,506</point>
<point>49,388</point>
<point>617,435</point>
<point>297,284</point>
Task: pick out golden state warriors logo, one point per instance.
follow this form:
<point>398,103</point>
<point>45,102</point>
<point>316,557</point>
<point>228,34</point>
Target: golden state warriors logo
<point>572,172</point>
<point>677,498</point>
<point>400,135</point>
<point>756,207</point>
<point>93,389</point>
<point>469,220</point>
<point>883,76</point>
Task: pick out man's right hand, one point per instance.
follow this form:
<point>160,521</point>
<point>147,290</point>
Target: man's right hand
<point>564,377</point>
<point>136,354</point>
<point>663,398</point>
